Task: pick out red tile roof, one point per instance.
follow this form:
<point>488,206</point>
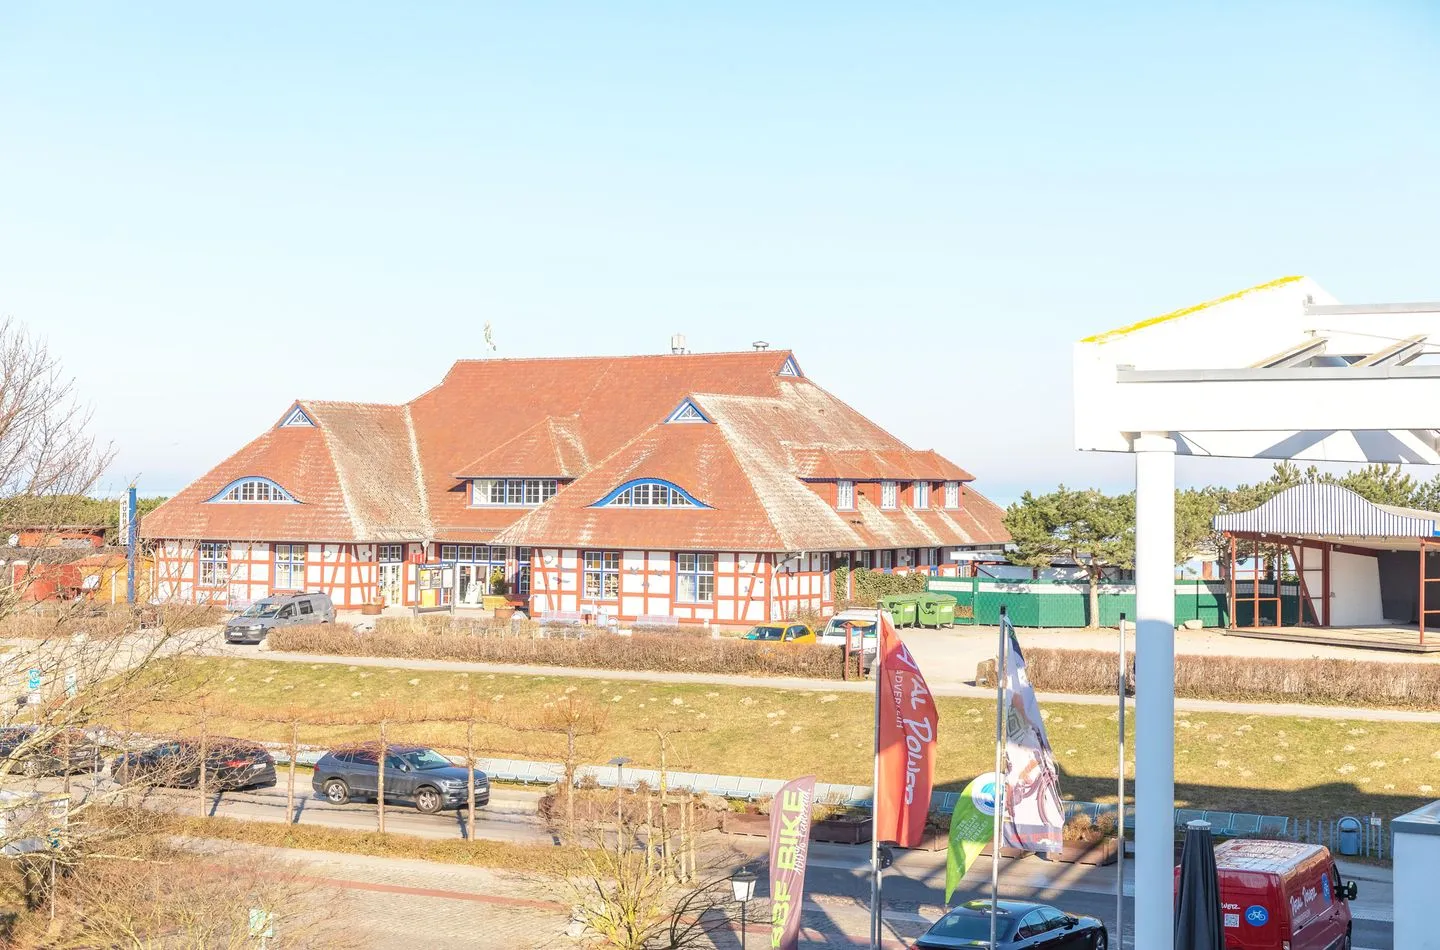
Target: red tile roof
<point>381,473</point>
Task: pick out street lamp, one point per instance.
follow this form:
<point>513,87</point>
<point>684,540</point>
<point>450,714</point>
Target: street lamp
<point>742,883</point>
<point>619,762</point>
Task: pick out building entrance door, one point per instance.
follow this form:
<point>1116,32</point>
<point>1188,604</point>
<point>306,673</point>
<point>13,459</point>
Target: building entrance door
<point>472,586</point>
<point>392,581</point>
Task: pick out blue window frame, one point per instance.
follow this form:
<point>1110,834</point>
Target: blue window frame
<point>289,567</point>
<point>695,578</point>
<point>214,563</point>
<point>649,493</point>
<point>253,490</point>
<point>517,492</point>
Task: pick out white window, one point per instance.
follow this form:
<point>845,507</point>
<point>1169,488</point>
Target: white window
<point>887,560</point>
<point>696,578</point>
<point>522,571</point>
<point>952,494</point>
<point>392,552</point>
<point>844,495</point>
<point>289,567</point>
<point>867,558</point>
<point>527,492</point>
<point>922,494</point>
<point>648,494</point>
<point>888,494</point>
<point>214,563</point>
<point>254,491</point>
<point>602,575</point>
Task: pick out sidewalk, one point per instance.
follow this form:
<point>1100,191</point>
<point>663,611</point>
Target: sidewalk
<point>940,684</point>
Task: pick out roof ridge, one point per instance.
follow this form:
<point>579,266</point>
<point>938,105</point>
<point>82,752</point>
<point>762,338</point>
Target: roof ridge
<point>356,525</point>
<point>418,465</point>
<point>757,354</point>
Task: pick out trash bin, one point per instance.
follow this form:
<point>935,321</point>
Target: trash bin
<point>935,610</point>
<point>1349,829</point>
<point>901,607</point>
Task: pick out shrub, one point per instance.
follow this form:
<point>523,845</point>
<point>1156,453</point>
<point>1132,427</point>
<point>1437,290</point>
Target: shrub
<point>646,650</point>
<point>870,586</point>
<point>1305,680</point>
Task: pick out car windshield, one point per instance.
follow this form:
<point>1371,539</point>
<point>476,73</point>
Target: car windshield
<point>860,628</point>
<point>262,609</point>
<point>764,633</point>
<point>970,926</point>
<point>426,759</point>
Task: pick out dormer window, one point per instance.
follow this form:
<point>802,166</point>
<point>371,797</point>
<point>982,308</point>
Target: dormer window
<point>791,368</point>
<point>845,495</point>
<point>512,492</point>
<point>952,494</point>
<point>922,495</point>
<point>649,493</point>
<point>253,490</point>
<point>889,494</point>
<point>687,411</point>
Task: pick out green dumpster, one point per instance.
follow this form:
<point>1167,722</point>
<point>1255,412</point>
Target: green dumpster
<point>902,608</point>
<point>935,610</point>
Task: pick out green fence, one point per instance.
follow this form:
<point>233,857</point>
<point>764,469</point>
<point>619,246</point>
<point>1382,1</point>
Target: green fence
<point>1067,604</point>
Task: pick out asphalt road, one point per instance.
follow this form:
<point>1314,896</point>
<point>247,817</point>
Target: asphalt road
<point>915,881</point>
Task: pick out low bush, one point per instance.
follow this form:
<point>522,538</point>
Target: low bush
<point>1303,680</point>
<point>52,620</point>
<point>647,651</point>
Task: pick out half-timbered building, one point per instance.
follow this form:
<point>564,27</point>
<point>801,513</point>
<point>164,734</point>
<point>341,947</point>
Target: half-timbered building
<point>720,488</point>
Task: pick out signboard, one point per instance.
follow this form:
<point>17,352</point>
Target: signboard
<point>32,682</point>
<point>71,686</point>
<point>262,923</point>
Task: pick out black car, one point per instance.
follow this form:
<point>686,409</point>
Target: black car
<point>414,774</point>
<point>1020,925</point>
<point>229,764</point>
<point>52,753</point>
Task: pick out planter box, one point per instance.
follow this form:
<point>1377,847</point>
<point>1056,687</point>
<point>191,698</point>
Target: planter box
<point>371,610</point>
<point>838,832</point>
<point>841,832</point>
<point>1098,853</point>
<point>504,611</point>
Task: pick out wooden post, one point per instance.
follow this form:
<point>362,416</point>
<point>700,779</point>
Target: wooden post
<point>204,752</point>
<point>290,777</point>
<point>470,785</point>
<point>380,780</point>
<point>1233,567</point>
<point>1325,550</point>
<point>1420,614</point>
<point>664,810</point>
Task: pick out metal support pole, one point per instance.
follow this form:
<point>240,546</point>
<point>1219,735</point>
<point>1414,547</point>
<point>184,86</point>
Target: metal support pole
<point>997,839</point>
<point>1155,691</point>
<point>1120,801</point>
<point>879,672</point>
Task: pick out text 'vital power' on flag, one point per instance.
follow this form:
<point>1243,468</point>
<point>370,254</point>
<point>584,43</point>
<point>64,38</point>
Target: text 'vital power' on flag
<point>789,848</point>
<point>908,724</point>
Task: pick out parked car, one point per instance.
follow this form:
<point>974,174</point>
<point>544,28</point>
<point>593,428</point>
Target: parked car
<point>860,622</point>
<point>413,774</point>
<point>782,633</point>
<point>1020,925</point>
<point>229,764</point>
<point>69,750</point>
<point>254,622</point>
<point>1282,894</point>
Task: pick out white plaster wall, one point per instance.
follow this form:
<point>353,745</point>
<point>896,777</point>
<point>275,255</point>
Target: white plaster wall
<point>1416,859</point>
<point>1355,583</point>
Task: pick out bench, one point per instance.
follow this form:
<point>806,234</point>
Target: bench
<point>656,620</point>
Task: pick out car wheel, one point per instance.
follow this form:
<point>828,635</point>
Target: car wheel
<point>337,792</point>
<point>428,801</point>
<point>30,768</point>
<point>1100,942</point>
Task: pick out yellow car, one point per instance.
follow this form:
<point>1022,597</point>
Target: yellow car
<point>782,633</point>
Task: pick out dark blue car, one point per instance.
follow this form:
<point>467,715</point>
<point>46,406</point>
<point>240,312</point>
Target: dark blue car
<point>1020,925</point>
<point>413,774</point>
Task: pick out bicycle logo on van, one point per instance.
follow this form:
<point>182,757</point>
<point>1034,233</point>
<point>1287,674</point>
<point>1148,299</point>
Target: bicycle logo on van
<point>1256,916</point>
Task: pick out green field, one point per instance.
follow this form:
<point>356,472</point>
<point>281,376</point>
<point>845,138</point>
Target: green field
<point>1278,765</point>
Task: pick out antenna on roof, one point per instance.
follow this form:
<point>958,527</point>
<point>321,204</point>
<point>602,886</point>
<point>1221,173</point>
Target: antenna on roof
<point>489,338</point>
<point>760,345</point>
<point>677,344</point>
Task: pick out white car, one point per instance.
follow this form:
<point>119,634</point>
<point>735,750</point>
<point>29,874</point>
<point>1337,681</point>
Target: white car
<point>860,621</point>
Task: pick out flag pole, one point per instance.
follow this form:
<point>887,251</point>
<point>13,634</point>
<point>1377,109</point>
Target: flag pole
<point>1120,803</point>
<point>875,791</point>
<point>999,778</point>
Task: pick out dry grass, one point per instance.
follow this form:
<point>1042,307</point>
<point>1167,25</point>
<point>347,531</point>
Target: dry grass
<point>1315,681</point>
<point>1277,765</point>
<point>47,621</point>
<point>598,649</point>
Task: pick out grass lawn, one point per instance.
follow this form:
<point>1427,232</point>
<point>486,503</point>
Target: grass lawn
<point>1274,765</point>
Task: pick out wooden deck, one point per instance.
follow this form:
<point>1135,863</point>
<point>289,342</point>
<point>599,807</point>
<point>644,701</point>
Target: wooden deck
<point>1399,636</point>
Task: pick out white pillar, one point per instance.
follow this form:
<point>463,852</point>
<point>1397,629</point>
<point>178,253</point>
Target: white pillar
<point>1154,691</point>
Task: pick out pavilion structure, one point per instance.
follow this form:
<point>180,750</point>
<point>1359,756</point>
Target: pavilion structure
<point>1282,370</point>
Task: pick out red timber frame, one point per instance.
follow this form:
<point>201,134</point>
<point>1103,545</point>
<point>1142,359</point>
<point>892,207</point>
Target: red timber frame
<point>1297,548</point>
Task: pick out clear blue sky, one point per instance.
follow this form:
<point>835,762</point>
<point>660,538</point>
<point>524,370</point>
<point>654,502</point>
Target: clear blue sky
<point>210,211</point>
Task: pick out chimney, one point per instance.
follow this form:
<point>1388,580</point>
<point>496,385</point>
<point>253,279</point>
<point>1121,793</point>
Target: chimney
<point>677,344</point>
<point>760,345</point>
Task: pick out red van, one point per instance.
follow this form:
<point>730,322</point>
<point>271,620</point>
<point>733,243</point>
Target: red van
<point>1280,895</point>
